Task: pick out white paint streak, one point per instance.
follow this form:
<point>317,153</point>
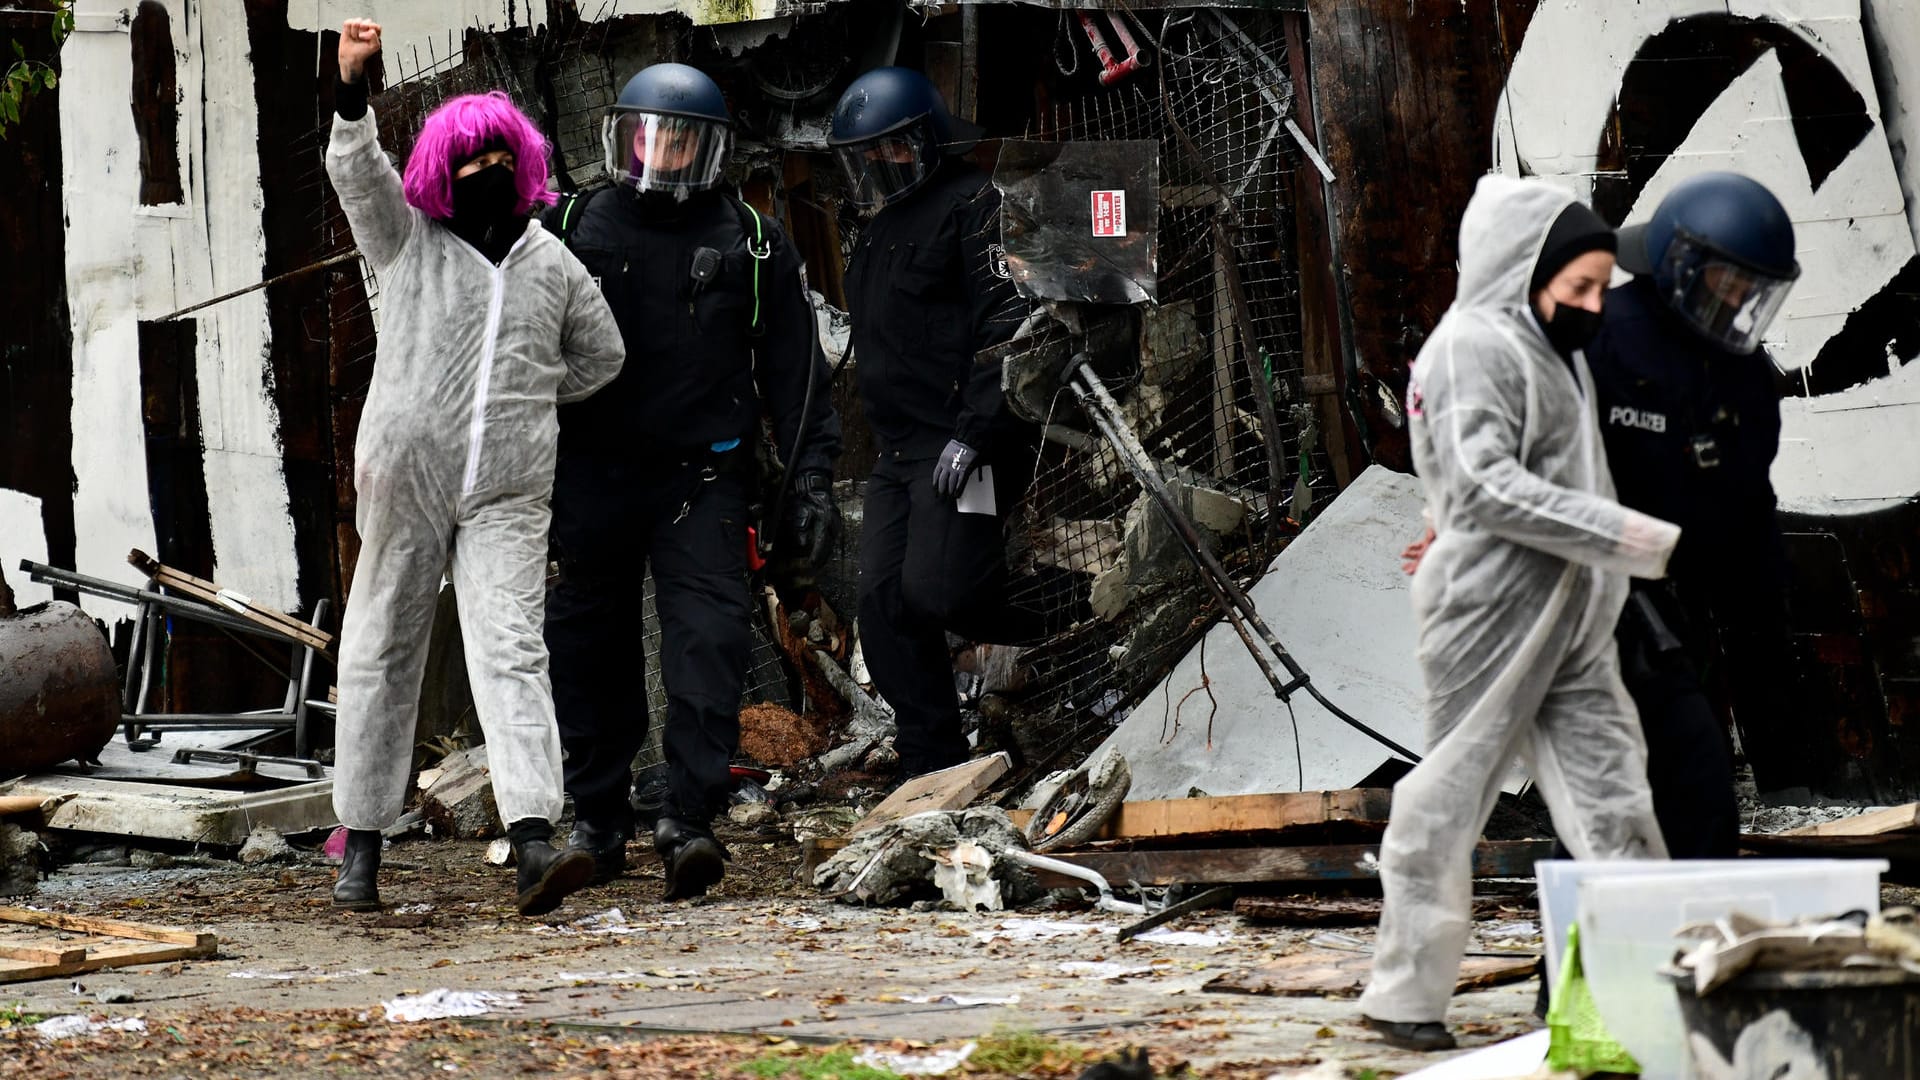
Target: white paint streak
<point>22,536</point>
<point>101,182</point>
<point>1842,453</point>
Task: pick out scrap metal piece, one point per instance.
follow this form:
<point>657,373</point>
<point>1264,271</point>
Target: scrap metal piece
<point>59,691</point>
<point>1207,899</point>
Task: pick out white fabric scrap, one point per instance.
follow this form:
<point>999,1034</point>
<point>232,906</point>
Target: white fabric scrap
<point>443,1003</point>
<point>1160,935</point>
<point>927,1063</point>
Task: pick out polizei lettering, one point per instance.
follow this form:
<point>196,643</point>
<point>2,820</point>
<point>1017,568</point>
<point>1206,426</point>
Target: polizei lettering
<point>1627,416</point>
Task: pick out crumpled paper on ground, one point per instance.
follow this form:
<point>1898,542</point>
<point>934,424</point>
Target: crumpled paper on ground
<point>1719,951</point>
<point>66,1027</point>
<point>443,1003</point>
<point>917,1063</point>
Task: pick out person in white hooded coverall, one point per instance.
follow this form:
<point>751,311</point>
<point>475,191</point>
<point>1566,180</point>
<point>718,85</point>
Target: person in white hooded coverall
<point>1518,596</point>
<point>487,322</point>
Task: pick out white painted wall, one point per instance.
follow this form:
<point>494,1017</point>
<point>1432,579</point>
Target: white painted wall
<point>22,536</point>
<point>126,262</point>
<point>1841,453</point>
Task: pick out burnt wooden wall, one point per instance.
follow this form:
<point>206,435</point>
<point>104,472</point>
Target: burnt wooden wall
<point>1405,96</point>
<point>36,341</point>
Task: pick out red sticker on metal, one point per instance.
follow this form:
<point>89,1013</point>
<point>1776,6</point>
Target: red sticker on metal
<point>1109,213</point>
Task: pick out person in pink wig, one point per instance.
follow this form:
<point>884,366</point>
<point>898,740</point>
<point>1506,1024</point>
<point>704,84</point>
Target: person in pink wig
<point>487,322</point>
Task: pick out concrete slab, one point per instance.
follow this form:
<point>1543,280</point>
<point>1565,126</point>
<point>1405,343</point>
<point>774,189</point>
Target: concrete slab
<point>1339,602</point>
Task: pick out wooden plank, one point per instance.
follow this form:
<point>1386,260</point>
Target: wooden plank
<point>1879,823</point>
<point>949,789</point>
<point>1227,866</point>
<point>1342,973</point>
<point>27,804</point>
<point>211,593</point>
<point>1174,818</point>
<point>122,954</point>
<point>1309,910</point>
<point>43,952</point>
<point>87,924</point>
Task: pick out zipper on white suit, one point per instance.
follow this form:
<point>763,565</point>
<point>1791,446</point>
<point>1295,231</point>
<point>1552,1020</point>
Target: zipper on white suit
<point>477,426</point>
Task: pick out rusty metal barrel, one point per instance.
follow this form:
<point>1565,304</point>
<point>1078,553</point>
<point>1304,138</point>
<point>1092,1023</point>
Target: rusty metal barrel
<point>59,694</point>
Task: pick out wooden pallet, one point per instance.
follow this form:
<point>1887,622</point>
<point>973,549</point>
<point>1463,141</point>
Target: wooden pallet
<point>107,943</point>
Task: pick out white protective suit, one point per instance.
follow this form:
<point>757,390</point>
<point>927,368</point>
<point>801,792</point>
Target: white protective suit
<point>1516,600</point>
<point>454,461</point>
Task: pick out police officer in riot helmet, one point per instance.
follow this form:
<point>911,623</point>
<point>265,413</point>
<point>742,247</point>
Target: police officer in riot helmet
<point>1691,419</point>
<point>655,472</point>
<point>928,289</point>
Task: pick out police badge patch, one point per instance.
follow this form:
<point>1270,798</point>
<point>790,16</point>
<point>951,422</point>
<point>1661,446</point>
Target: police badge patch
<point>997,262</point>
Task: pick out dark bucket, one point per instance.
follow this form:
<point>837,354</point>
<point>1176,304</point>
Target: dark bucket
<point>1851,1024</point>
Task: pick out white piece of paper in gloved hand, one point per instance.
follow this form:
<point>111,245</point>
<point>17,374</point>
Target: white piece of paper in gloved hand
<point>977,496</point>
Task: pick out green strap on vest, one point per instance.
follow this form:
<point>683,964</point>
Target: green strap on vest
<point>761,250</point>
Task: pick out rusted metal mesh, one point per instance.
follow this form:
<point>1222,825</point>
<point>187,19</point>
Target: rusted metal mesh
<point>1215,103</point>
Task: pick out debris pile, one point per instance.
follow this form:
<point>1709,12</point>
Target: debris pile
<point>900,860</point>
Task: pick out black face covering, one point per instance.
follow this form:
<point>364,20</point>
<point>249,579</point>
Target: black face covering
<point>662,205</point>
<point>483,211</point>
<point>1570,328</point>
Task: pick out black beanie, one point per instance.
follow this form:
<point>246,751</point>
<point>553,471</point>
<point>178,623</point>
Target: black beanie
<point>1575,232</point>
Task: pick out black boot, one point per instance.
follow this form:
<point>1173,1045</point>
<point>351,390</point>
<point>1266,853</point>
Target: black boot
<point>1421,1036</point>
<point>694,860</point>
<point>607,844</point>
<point>354,889</point>
<point>544,876</point>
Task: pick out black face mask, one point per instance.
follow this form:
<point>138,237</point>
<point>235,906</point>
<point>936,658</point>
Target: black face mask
<point>1570,328</point>
<point>483,211</point>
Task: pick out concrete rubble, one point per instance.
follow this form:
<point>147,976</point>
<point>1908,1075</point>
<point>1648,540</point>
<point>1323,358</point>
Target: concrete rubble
<point>904,860</point>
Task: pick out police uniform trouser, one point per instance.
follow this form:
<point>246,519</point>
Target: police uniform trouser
<point>925,569</point>
<point>612,521</point>
<point>1689,764</point>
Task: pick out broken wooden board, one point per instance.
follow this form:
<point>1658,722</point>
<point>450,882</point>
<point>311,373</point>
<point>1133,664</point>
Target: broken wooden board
<point>1341,973</point>
<point>1216,817</point>
<point>949,789</point>
<point>1249,865</point>
<point>172,812</point>
<point>108,943</point>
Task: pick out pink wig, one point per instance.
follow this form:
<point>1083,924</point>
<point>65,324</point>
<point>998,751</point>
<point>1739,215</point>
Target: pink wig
<point>461,129</point>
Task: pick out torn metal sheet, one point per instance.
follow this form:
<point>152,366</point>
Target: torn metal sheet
<point>1080,220</point>
<point>1338,596</point>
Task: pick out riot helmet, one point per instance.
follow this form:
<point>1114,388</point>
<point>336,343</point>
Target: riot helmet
<point>1720,251</point>
<point>668,133</point>
<point>889,131</point>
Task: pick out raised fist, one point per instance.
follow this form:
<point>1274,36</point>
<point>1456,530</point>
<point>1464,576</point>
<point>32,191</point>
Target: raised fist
<point>359,40</point>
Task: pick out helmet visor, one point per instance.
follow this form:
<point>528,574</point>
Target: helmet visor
<point>887,167</point>
<point>1729,303</point>
<point>655,152</point>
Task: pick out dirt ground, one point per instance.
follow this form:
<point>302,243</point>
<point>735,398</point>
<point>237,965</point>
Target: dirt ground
<point>763,978</point>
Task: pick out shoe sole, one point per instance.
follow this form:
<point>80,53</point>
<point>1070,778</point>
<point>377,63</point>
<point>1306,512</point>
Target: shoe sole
<point>696,867</point>
<point>1387,1035</point>
<point>568,874</point>
<point>372,904</point>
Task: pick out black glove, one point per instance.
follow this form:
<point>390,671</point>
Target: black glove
<point>813,519</point>
<point>951,471</point>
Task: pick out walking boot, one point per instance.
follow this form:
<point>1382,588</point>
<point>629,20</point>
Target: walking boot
<point>607,844</point>
<point>694,860</point>
<point>1409,1035</point>
<point>544,875</point>
<point>354,888</point>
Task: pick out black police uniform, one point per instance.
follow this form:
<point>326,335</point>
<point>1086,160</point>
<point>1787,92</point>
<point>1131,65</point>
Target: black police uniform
<point>1691,431</point>
<point>928,289</point>
<point>656,470</point>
